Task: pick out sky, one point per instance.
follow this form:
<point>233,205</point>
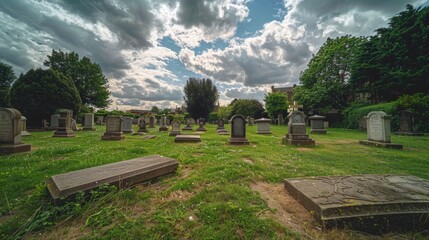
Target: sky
<point>148,49</point>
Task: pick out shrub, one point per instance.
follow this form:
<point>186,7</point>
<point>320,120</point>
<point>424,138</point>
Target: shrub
<point>418,104</point>
<point>353,113</point>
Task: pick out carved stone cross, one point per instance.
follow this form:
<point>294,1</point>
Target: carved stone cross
<point>295,107</point>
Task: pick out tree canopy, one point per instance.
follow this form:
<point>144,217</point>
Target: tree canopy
<point>7,77</point>
<point>86,75</point>
<point>39,93</point>
<point>276,103</point>
<point>200,97</point>
<point>247,107</point>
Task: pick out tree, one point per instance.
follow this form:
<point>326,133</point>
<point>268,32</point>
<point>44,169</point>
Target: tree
<point>224,112</point>
<point>200,97</point>
<point>248,107</point>
<point>276,103</point>
<point>154,110</point>
<point>86,75</point>
<point>39,93</point>
<point>7,77</point>
<point>395,61</point>
<point>324,84</point>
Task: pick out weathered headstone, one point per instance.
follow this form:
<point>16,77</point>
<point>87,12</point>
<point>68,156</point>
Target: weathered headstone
<point>142,125</point>
<point>221,127</point>
<point>127,125</point>
<point>362,123</point>
<point>188,126</point>
<point>248,120</point>
<point>113,128</point>
<point>24,127</point>
<point>175,128</point>
<point>252,121</point>
<point>64,128</point>
<point>45,124</point>
<point>406,124</point>
<point>187,138</point>
<point>263,126</point>
<point>10,132</point>
<point>152,121</point>
<point>238,130</point>
<point>297,133</point>
<point>74,126</point>
<point>378,130</point>
<point>201,127</point>
<point>88,122</point>
<point>163,123</point>
<point>123,174</point>
<point>317,124</point>
<point>371,203</point>
<point>99,120</point>
<point>280,119</point>
<point>54,122</point>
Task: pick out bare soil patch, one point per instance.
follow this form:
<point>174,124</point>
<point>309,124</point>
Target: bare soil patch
<point>248,160</point>
<point>304,149</point>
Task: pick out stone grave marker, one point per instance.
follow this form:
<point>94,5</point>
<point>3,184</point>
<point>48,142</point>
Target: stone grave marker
<point>113,128</point>
<point>88,122</point>
<point>280,119</point>
<point>142,125</point>
<point>248,120</point>
<point>187,138</point>
<point>74,126</point>
<point>151,121</point>
<point>263,126</point>
<point>24,127</point>
<point>370,203</point>
<point>10,132</point>
<point>238,130</point>
<point>54,122</point>
<point>201,127</point>
<point>99,120</point>
<point>175,128</point>
<point>122,174</point>
<point>221,127</point>
<point>127,125</point>
<point>317,124</point>
<point>362,123</point>
<point>188,126</point>
<point>64,128</point>
<point>378,130</point>
<point>252,121</point>
<point>163,123</point>
<point>45,124</point>
<point>297,133</point>
<point>406,124</point>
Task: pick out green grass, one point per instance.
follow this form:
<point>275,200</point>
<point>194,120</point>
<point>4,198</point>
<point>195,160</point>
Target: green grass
<point>212,184</point>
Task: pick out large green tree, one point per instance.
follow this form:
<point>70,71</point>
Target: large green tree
<point>248,107</point>
<point>7,77</point>
<point>324,84</point>
<point>39,93</point>
<point>276,103</point>
<point>395,61</point>
<point>86,75</point>
<point>200,97</point>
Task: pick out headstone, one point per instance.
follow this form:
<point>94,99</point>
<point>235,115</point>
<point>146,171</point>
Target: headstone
<point>135,121</point>
<point>88,122</point>
<point>252,121</point>
<point>64,128</point>
<point>187,138</point>
<point>221,127</point>
<point>378,130</point>
<point>238,130</point>
<point>167,122</point>
<point>280,119</point>
<point>99,120</point>
<point>163,123</point>
<point>248,120</point>
<point>175,128</point>
<point>54,122</point>
<point>297,133</point>
<point>74,126</point>
<point>24,127</point>
<point>10,132</point>
<point>123,174</point>
<point>113,128</point>
<point>45,124</point>
<point>406,124</point>
<point>201,127</point>
<point>152,121</point>
<point>202,120</point>
<point>192,121</point>
<point>142,125</point>
<point>188,125</point>
<point>317,124</point>
<point>127,125</point>
<point>362,123</point>
<point>263,126</point>
<point>370,203</point>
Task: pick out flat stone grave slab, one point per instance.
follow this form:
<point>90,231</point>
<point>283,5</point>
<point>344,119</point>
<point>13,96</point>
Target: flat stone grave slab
<point>122,174</point>
<point>370,203</point>
<point>149,137</point>
<point>187,138</point>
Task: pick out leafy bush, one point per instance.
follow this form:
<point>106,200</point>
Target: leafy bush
<point>248,107</point>
<point>213,117</point>
<point>353,113</point>
<point>418,104</point>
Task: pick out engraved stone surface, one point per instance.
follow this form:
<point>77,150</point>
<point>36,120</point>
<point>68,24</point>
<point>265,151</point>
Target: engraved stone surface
<point>113,128</point>
<point>187,138</point>
<point>263,126</point>
<point>88,122</point>
<point>64,128</point>
<point>10,132</point>
<point>142,125</point>
<point>127,125</point>
<point>365,202</point>
<point>124,174</point>
<point>378,130</point>
<point>317,124</point>
<point>297,133</point>
<point>151,121</point>
<point>163,122</point>
<point>175,128</point>
<point>54,121</point>
<point>406,124</point>
<point>238,130</point>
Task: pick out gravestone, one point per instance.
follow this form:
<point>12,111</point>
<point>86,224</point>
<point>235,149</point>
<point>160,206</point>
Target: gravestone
<point>99,120</point>
<point>297,133</point>
<point>88,122</point>
<point>142,125</point>
<point>74,126</point>
<point>64,128</point>
<point>175,128</point>
<point>127,125</point>
<point>10,132</point>
<point>122,174</point>
<point>54,122</point>
<point>203,120</point>
<point>248,120</point>
<point>221,127</point>
<point>238,130</point>
<point>187,138</point>
<point>45,124</point>
<point>113,128</point>
<point>378,130</point>
<point>280,119</point>
<point>163,122</point>
<point>24,127</point>
<point>263,126</point>
<point>201,127</point>
<point>151,121</point>
<point>317,124</point>
<point>362,123</point>
<point>252,121</point>
<point>371,203</point>
<point>406,124</point>
<point>188,126</point>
